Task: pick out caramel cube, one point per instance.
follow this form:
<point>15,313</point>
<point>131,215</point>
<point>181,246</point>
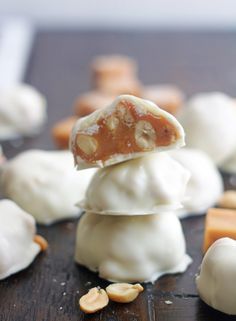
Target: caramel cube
<point>168,97</point>
<point>90,101</point>
<point>112,67</point>
<point>120,86</point>
<point>61,132</point>
<point>220,222</point>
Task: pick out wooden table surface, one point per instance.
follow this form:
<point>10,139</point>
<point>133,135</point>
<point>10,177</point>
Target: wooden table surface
<point>59,67</point>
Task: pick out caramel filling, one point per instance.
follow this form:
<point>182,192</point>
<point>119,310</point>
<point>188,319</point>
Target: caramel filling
<point>124,131</point>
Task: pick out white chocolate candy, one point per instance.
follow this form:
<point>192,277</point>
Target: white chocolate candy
<point>131,248</point>
<point>140,136</point>
<point>205,185</point>
<point>216,282</point>
<point>22,111</point>
<point>209,122</point>
<point>45,184</point>
<point>145,185</point>
<point>17,231</point>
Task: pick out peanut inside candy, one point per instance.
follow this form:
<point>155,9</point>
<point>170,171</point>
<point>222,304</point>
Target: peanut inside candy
<point>41,241</point>
<point>95,300</point>
<point>123,292</point>
<point>125,130</point>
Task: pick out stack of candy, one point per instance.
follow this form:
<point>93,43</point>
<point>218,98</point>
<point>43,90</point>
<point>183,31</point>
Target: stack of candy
<point>130,231</point>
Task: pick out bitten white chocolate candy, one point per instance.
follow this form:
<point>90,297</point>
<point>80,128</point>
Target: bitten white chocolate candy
<point>45,184</point>
<point>145,185</point>
<point>129,128</point>
<point>205,184</point>
<point>217,278</point>
<point>22,111</point>
<point>131,248</point>
<point>209,121</point>
<point>17,246</point>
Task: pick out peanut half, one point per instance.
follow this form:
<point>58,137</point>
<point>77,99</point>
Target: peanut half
<point>95,300</point>
<point>228,199</point>
<point>87,144</point>
<point>125,116</point>
<point>112,123</point>
<point>41,241</point>
<point>145,135</point>
<point>123,292</point>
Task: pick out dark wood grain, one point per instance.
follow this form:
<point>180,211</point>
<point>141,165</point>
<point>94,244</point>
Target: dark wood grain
<point>50,288</point>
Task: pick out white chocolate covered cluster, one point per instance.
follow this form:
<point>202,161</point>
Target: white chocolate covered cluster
<point>131,248</point>
<point>217,279</point>
<point>209,122</point>
<point>22,111</point>
<point>45,184</point>
<point>141,186</point>
<point>17,246</point>
<point>205,185</point>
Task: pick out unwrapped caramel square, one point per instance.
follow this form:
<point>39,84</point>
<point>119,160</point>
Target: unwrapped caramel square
<point>61,131</point>
<point>220,222</point>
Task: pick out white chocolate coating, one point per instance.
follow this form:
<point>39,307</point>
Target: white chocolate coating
<point>17,230</point>
<point>209,121</point>
<point>131,248</point>
<point>205,185</point>
<point>142,106</point>
<point>45,184</point>
<point>22,111</point>
<point>216,282</point>
<point>145,185</point>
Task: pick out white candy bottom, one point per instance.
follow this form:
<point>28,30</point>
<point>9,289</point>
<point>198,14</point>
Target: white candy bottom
<point>131,248</point>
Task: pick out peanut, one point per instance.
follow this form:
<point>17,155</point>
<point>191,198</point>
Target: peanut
<point>123,292</point>
<point>41,241</point>
<point>125,116</point>
<point>145,135</point>
<point>95,300</point>
<point>228,199</point>
<point>112,122</point>
<point>87,144</point>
